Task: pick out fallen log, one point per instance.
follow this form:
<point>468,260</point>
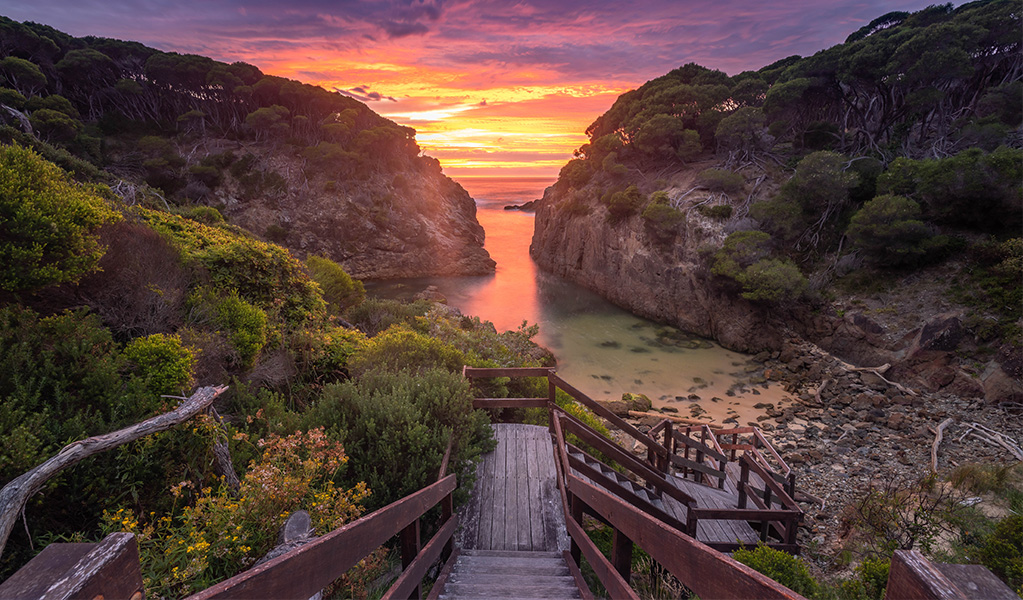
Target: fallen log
<point>15,494</point>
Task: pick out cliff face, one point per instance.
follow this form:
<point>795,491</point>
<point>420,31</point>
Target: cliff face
<point>625,263</point>
<point>410,221</point>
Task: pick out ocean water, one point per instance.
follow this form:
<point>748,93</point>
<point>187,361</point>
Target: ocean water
<point>600,348</point>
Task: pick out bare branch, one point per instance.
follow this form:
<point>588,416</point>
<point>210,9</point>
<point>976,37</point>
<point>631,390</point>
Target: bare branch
<point>15,494</point>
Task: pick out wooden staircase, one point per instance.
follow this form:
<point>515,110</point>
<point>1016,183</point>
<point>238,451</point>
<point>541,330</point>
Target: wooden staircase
<point>510,574</point>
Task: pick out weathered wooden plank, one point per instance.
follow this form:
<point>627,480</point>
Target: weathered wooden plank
<point>523,500</point>
<point>477,372</point>
<point>109,569</point>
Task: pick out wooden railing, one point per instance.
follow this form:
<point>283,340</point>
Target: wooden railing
<point>707,572</point>
<point>780,470</point>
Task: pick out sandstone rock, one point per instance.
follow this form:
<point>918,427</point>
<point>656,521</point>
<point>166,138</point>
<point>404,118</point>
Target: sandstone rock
<point>942,333</point>
<point>1001,387</point>
<point>897,421</point>
<point>432,294</point>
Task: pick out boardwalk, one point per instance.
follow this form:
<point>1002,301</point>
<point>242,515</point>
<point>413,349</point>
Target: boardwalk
<point>515,504</point>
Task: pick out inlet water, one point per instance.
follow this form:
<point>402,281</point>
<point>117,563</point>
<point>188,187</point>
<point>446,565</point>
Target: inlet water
<point>601,349</point>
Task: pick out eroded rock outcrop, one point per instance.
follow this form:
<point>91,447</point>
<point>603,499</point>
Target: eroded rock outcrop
<point>625,264</point>
<point>408,222</point>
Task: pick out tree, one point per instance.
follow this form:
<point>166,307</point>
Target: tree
<point>269,121</point>
<point>889,229</point>
<point>47,222</point>
<point>23,75</point>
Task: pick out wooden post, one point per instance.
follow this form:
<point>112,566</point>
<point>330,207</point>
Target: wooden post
<point>669,442</point>
<point>621,554</point>
<point>765,525</point>
<point>447,509</point>
<point>699,455</point>
<point>577,516</point>
<point>409,550</point>
<point>552,399</point>
<point>743,481</point>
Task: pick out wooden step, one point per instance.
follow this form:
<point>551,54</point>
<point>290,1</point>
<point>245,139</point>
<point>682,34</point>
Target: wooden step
<point>509,574</point>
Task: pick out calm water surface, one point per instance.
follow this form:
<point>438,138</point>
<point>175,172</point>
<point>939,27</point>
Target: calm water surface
<point>601,349</point>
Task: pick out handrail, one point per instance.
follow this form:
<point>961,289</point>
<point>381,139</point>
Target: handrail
<point>592,437</point>
<point>307,569</point>
<point>613,582</point>
<point>707,572</point>
<point>600,410</point>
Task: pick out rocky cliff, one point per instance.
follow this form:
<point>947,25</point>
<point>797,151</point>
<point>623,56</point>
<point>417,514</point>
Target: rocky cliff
<point>627,263</point>
<point>410,221</point>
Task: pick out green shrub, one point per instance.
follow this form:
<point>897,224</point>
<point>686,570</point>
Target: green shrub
<point>376,314</point>
<point>721,180</point>
<point>340,291</point>
<point>207,215</point>
<point>49,223</point>
<point>889,229</point>
<point>971,189</point>
<point>784,568</point>
<point>245,325</point>
<point>211,176</point>
<point>400,347</point>
<point>1002,551</point>
<point>162,362</point>
<point>772,280</point>
<point>621,205</point>
<point>716,211</point>
<point>660,211</point>
<point>261,273</point>
<point>740,250</point>
<point>576,173</point>
<point>391,420</point>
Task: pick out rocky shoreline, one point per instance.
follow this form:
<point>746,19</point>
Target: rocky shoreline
<point>847,429</point>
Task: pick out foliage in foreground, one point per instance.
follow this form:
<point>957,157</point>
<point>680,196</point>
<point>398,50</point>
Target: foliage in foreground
<point>220,534</point>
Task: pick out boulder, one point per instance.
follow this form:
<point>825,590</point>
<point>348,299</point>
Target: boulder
<point>1000,387</point>
<point>942,333</point>
<point>629,401</point>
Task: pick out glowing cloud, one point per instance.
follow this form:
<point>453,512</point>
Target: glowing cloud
<point>492,86</point>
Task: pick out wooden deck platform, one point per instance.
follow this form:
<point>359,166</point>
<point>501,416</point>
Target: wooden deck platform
<point>515,503</point>
<point>711,530</point>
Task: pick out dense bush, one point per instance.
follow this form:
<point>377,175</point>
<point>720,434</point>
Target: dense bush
<point>1002,551</point>
<point>387,420</point>
<point>721,180</point>
<point>49,223</point>
<point>263,274</point>
<point>245,326</point>
<point>972,189</point>
<point>623,204</point>
<point>161,362</point>
<point>889,229</point>
<point>376,314</point>
<point>745,259</point>
<point>340,291</point>
<point>779,566</point>
<point>400,347</point>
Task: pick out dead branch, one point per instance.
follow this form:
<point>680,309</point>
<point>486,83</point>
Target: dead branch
<point>937,442</point>
<point>879,370</point>
<point>817,394</point>
<point>15,494</point>
<point>995,438</point>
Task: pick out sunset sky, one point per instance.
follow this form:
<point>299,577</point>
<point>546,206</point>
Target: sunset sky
<point>492,87</point>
